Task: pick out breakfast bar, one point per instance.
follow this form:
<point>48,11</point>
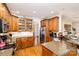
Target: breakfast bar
<point>59,48</point>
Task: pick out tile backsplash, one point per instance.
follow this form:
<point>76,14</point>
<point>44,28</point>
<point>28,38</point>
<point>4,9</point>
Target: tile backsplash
<point>21,34</point>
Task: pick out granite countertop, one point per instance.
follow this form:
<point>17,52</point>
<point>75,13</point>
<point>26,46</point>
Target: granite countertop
<point>6,52</point>
<point>73,41</point>
<point>57,47</point>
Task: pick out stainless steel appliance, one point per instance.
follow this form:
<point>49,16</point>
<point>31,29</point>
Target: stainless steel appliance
<point>43,35</point>
<point>3,26</point>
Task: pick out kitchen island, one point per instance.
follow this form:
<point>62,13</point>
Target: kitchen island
<point>53,48</point>
<point>59,48</point>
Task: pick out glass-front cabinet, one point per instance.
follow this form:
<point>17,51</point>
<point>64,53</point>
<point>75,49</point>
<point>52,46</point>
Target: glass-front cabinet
<point>25,24</point>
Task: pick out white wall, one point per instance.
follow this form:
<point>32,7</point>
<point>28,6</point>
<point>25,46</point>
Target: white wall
<point>76,25</point>
<point>65,21</point>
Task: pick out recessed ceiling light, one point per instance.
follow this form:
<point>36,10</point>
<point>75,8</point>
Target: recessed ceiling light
<point>2,8</point>
<point>34,12</point>
<point>17,12</point>
<point>52,12</point>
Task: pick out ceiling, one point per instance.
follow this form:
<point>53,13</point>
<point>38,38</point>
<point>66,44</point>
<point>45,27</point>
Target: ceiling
<point>69,11</point>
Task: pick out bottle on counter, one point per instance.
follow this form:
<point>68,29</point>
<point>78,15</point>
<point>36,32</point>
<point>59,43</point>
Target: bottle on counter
<point>10,38</point>
<point>60,36</point>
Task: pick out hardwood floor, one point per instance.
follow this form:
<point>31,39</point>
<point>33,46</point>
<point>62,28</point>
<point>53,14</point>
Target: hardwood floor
<point>32,51</point>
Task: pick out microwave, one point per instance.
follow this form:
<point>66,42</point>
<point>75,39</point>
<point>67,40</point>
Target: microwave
<point>3,26</point>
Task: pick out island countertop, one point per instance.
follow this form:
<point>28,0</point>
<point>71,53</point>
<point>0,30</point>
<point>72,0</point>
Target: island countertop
<point>76,42</point>
<point>57,47</point>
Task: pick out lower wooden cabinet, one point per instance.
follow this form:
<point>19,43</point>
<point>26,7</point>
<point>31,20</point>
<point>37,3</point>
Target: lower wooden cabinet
<point>46,52</point>
<point>72,53</point>
<point>24,42</point>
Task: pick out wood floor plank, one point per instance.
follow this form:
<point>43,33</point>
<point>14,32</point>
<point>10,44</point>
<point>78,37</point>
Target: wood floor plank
<point>32,51</point>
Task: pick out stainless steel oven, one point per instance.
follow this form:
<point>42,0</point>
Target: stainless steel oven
<point>3,26</point>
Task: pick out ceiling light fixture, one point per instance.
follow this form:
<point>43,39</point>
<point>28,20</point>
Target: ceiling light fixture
<point>16,12</point>
<point>34,12</point>
<point>52,12</point>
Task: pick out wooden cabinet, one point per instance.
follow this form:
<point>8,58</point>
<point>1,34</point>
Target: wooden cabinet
<point>24,42</point>
<point>50,25</point>
<point>18,44</point>
<point>54,24</point>
<point>25,24</point>
<point>14,23</point>
<point>0,9</point>
<point>43,22</point>
<point>46,52</point>
<point>29,24</point>
<point>72,53</point>
<point>21,24</point>
<point>10,19</point>
<point>3,11</point>
<point>10,22</point>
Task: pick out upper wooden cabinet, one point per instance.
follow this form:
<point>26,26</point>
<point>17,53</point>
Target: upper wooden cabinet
<point>14,23</point>
<point>25,24</point>
<point>44,23</point>
<point>29,25</point>
<point>11,20</point>
<point>54,24</point>
<point>3,11</point>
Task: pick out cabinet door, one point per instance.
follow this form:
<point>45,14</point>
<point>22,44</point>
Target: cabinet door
<point>18,43</point>
<point>54,24</point>
<point>15,23</point>
<point>0,10</point>
<point>28,25</point>
<point>46,52</point>
<point>72,53</point>
<point>10,23</point>
<point>24,42</point>
<point>27,42</point>
<point>43,23</point>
